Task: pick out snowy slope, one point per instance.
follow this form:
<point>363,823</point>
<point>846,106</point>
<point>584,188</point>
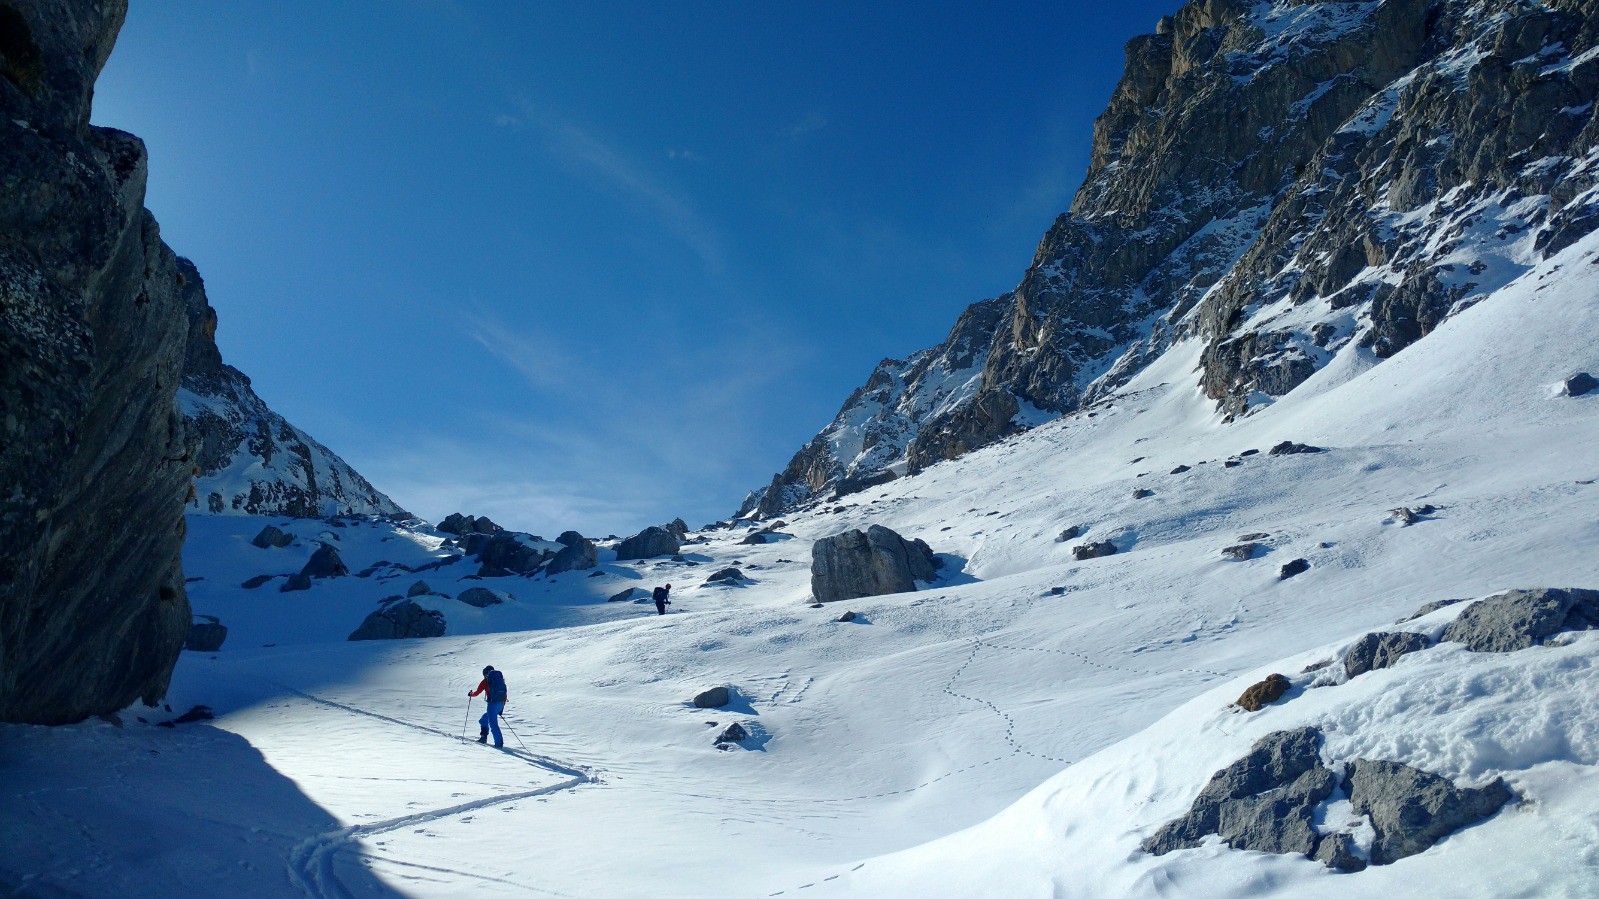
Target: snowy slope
<point>983,736</point>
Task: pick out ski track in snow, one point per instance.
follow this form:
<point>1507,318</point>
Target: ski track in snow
<point>311,863</point>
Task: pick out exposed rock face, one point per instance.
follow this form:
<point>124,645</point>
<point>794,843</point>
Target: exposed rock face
<point>1293,569</point>
<point>1375,651</point>
<point>868,563</point>
<point>647,544</point>
<point>271,537</point>
<point>577,554</point>
<point>481,597</point>
<point>1522,618</point>
<point>505,552</point>
<point>325,562</point>
<point>461,525</point>
<point>1097,550</point>
<point>1580,384</point>
<point>733,733</point>
<point>230,427</point>
<point>92,332</point>
<point>714,698</point>
<point>1264,801</point>
<point>727,576</point>
<point>1411,810</point>
<point>205,636</point>
<point>399,621</point>
<point>1372,168</point>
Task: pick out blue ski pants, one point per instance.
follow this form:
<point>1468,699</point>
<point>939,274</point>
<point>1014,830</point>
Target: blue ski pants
<point>491,721</point>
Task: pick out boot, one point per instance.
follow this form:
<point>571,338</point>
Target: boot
<point>484,736</point>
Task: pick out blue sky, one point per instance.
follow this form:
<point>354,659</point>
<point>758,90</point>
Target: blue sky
<point>599,265</point>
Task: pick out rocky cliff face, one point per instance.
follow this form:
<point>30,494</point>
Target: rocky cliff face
<point>1283,182</point>
<point>248,459</point>
<point>92,330</point>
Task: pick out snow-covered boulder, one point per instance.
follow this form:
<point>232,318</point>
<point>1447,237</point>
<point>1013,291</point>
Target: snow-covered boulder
<point>873,562</point>
<point>399,621</point>
<point>1522,618</point>
<point>1411,809</point>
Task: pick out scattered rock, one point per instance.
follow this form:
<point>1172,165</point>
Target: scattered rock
<point>325,562</point>
<point>1375,651</point>
<point>1411,809</point>
<point>873,562</point>
<point>1290,448</point>
<point>1248,452</point>
<point>257,581</point>
<point>596,574</point>
<point>678,528</point>
<point>504,553</point>
<point>271,537</point>
<point>1241,551</point>
<point>1086,551</point>
<point>1407,516</point>
<point>1522,618</point>
<point>647,544</point>
<point>461,525</point>
<point>1263,694</point>
<point>625,595</point>
<point>1337,850</point>
<point>1264,801</point>
<point>401,621</point>
<point>205,636</point>
<point>1071,533</point>
<point>420,588</point>
<point>1182,468</point>
<point>727,576</point>
<point>481,597</point>
<point>1246,538</point>
<point>198,713</point>
<point>295,582</point>
<point>1057,591</point>
<point>734,733</point>
<point>577,554</point>
<point>714,698</point>
<point>1580,383</point>
<point>1290,569</point>
<point>1232,463</point>
<point>847,617</point>
<point>1428,609</point>
<point>1141,492</point>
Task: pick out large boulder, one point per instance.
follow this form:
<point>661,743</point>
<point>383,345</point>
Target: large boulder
<point>205,636</point>
<point>481,597</point>
<point>93,473</point>
<point>461,525</point>
<point>1264,801</point>
<point>714,698</point>
<point>678,527</point>
<point>506,553</point>
<point>1098,550</point>
<point>325,562</point>
<point>420,588</point>
<point>873,562</point>
<point>727,577</point>
<point>271,536</point>
<point>1522,618</point>
<point>1580,383</point>
<point>1411,810</point>
<point>577,554</point>
<point>1375,651</point>
<point>647,544</point>
<point>399,621</point>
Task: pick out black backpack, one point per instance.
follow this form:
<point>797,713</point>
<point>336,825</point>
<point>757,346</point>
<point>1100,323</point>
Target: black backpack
<point>496,686</point>
<point>660,594</point>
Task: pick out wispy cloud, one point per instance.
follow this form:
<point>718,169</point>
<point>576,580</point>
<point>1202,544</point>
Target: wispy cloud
<point>684,155</point>
<point>539,361</point>
<point>812,121</point>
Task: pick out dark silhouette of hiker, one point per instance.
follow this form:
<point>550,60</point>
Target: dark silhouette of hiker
<point>493,685</point>
<point>661,599</point>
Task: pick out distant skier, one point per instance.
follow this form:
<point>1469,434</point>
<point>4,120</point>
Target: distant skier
<point>493,685</point>
<point>661,599</point>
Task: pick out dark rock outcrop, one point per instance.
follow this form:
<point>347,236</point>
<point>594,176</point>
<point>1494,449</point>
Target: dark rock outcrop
<point>1293,569</point>
<point>1243,552</point>
<point>846,618</point>
<point>325,562</point>
<point>504,553</point>
<point>1290,448</point>
<point>1375,651</point>
<point>1580,384</point>
<point>626,595</point>
<point>1260,695</point>
<point>461,525</point>
<point>647,544</point>
<point>400,621</point>
<point>734,733</point>
<point>480,597</point>
<point>873,562</point>
<point>206,635</point>
<point>1411,810</point>
<point>1071,533</point>
<point>295,582</point>
<point>577,554</point>
<point>420,588</point>
<point>92,331</point>
<point>1097,550</point>
<point>714,698</point>
<point>727,576</point>
<point>1337,850</point>
<point>257,581</point>
<point>1264,801</point>
<point>271,537</point>
<point>1522,618</point>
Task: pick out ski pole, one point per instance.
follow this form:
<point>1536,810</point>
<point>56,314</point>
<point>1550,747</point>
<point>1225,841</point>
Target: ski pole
<point>513,732</point>
<point>468,718</point>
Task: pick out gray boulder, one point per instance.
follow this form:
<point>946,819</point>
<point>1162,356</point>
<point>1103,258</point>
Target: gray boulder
<point>400,621</point>
<point>295,582</point>
<point>461,525</point>
<point>727,576</point>
<point>481,597</point>
<point>420,588</point>
<point>325,562</point>
<point>1375,651</point>
<point>714,698</point>
<point>503,553</point>
<point>577,554</point>
<point>1580,383</point>
<point>1100,549</point>
<point>1241,551</point>
<point>270,536</point>
<point>1428,609</point>
<point>1142,493</point>
<point>735,733</point>
<point>1411,810</point>
<point>1337,850</point>
<point>1522,618</point>
<point>649,543</point>
<point>257,581</point>
<point>678,528</point>
<point>1290,448</point>
<point>847,617</point>
<point>873,562</point>
<point>1071,533</point>
<point>1291,569</point>
<point>205,636</point>
<point>625,595</point>
<point>1265,800</point>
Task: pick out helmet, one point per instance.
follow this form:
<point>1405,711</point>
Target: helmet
<point>668,586</point>
<point>487,668</point>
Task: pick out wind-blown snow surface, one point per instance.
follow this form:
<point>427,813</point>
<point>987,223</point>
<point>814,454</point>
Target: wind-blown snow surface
<point>983,736</point>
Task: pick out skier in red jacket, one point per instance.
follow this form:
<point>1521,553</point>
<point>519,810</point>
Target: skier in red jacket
<point>493,686</point>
